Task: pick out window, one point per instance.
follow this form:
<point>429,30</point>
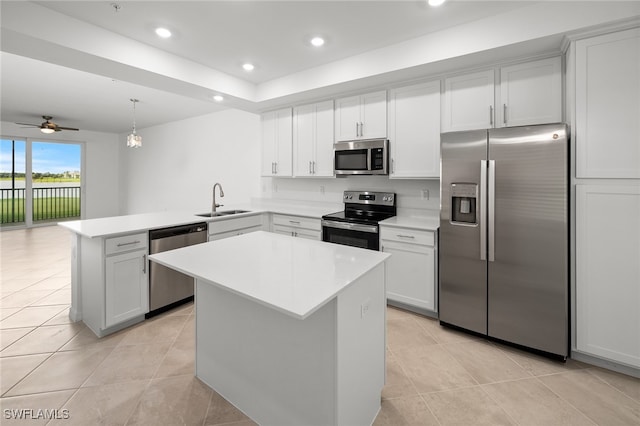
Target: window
<point>41,181</point>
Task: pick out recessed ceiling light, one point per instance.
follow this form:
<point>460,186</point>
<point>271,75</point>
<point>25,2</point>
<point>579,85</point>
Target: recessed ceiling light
<point>163,32</point>
<point>317,41</point>
<point>248,67</point>
<point>436,2</point>
<point>218,98</point>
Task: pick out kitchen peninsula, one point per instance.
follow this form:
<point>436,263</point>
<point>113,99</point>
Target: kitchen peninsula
<point>291,331</point>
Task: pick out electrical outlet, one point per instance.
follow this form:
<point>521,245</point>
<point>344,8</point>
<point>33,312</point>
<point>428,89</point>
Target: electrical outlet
<point>424,194</point>
<point>364,308</point>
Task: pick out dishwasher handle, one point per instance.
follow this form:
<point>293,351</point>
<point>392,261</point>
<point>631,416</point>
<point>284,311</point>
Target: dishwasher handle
<point>177,230</point>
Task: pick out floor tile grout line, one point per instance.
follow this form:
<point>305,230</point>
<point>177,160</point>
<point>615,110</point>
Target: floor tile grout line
<point>590,370</point>
<point>4,395</point>
<point>568,402</point>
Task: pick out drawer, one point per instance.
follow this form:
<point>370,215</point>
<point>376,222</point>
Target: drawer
<point>126,243</point>
<point>222,235</point>
<point>297,222</point>
<point>227,225</point>
<point>311,234</point>
<point>405,235</point>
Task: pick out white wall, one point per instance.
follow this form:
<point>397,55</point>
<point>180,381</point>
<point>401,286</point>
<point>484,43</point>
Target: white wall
<point>179,162</point>
<point>409,192</point>
<point>101,172</point>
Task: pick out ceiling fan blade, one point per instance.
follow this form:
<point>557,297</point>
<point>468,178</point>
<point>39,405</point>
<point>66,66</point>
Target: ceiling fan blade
<point>66,128</point>
<point>29,124</point>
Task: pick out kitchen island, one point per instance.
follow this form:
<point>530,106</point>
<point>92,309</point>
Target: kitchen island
<point>290,331</point>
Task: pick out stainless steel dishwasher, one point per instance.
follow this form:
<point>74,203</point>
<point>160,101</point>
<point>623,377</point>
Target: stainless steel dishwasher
<point>167,287</point>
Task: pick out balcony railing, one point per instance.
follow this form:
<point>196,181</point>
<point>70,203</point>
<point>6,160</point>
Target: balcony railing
<point>49,203</point>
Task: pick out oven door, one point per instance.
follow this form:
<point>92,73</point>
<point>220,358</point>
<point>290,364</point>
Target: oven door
<point>351,234</point>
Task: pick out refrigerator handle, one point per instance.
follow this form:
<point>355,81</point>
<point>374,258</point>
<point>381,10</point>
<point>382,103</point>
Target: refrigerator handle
<point>483,210</point>
<point>492,209</point>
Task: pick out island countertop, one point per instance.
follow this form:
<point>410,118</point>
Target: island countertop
<point>292,275</point>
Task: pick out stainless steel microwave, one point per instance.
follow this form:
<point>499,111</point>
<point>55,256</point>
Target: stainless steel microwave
<point>361,157</point>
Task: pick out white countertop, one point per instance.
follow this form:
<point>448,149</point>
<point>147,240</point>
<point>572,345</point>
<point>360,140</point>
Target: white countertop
<point>109,226</point>
<point>293,275</point>
<point>426,221</point>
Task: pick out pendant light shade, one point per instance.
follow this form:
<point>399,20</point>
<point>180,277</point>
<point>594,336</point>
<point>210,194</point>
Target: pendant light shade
<point>134,140</point>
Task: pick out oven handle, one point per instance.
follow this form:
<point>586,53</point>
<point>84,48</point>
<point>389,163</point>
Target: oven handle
<point>350,226</point>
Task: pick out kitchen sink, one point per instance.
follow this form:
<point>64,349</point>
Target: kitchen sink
<point>222,213</point>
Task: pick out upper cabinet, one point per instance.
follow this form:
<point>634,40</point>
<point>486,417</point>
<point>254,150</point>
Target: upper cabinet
<point>528,93</point>
<point>313,140</point>
<point>468,102</point>
<point>607,103</point>
<point>361,117</point>
<point>414,131</point>
<point>277,136</point>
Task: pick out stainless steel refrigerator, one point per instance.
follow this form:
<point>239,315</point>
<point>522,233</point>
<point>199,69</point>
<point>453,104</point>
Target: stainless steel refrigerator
<point>504,235</point>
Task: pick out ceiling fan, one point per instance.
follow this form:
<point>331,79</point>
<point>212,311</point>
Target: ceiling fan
<point>48,126</point>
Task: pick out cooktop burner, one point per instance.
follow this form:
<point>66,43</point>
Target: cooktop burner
<point>365,207</point>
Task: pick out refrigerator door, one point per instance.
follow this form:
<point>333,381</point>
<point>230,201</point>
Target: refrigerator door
<point>528,246</point>
<point>462,244</point>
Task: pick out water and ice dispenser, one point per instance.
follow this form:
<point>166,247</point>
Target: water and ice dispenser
<point>464,198</point>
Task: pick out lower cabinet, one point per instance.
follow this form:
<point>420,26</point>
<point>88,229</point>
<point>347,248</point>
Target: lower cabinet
<point>607,288</point>
<point>297,226</point>
<point>226,228</point>
<point>126,289</point>
<point>411,270</point>
<point>113,274</point>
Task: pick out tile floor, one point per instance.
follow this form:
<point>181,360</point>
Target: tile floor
<point>144,375</point>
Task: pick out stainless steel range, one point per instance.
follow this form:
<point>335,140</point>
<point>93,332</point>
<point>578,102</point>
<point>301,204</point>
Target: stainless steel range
<point>357,224</point>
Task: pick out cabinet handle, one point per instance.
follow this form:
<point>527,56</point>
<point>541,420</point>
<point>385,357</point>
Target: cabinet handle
<point>272,169</point>
<point>357,129</point>
<point>393,166</point>
<point>491,115</point>
<point>504,113</point>
<point>144,263</point>
<point>405,236</point>
<point>276,163</point>
<point>129,243</point>
<point>294,222</point>
<point>361,129</point>
<point>313,167</point>
<point>310,172</point>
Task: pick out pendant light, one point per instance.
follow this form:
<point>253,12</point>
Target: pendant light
<point>134,140</point>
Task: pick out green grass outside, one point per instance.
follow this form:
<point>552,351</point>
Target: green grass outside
<point>43,209</point>
<point>45,179</point>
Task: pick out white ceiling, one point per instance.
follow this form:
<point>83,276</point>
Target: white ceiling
<point>81,61</point>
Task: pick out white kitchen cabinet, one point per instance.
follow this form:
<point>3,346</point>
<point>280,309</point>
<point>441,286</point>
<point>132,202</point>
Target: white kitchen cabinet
<point>126,289</point>
<point>607,285</point>
<point>229,227</point>
<point>313,140</point>
<point>361,117</point>
<point>113,274</point>
<point>414,131</point>
<point>411,270</point>
<point>607,99</point>
<point>530,93</point>
<point>297,226</point>
<point>468,102</point>
<point>277,142</point>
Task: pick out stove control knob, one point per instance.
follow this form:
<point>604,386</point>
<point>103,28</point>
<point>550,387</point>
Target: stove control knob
<point>350,196</point>
<point>346,197</point>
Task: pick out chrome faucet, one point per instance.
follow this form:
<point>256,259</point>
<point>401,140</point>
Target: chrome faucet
<point>214,206</point>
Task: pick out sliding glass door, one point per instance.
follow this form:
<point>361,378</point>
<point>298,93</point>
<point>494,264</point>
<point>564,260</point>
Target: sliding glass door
<point>41,181</point>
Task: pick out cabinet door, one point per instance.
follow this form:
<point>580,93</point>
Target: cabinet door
<point>608,106</point>
<point>284,142</point>
<point>127,288</point>
<point>410,274</point>
<point>530,93</point>
<point>303,140</point>
<point>608,271</point>
<point>268,123</point>
<point>323,163</point>
<point>468,102</point>
<point>347,118</point>
<point>414,131</point>
<point>373,115</point>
